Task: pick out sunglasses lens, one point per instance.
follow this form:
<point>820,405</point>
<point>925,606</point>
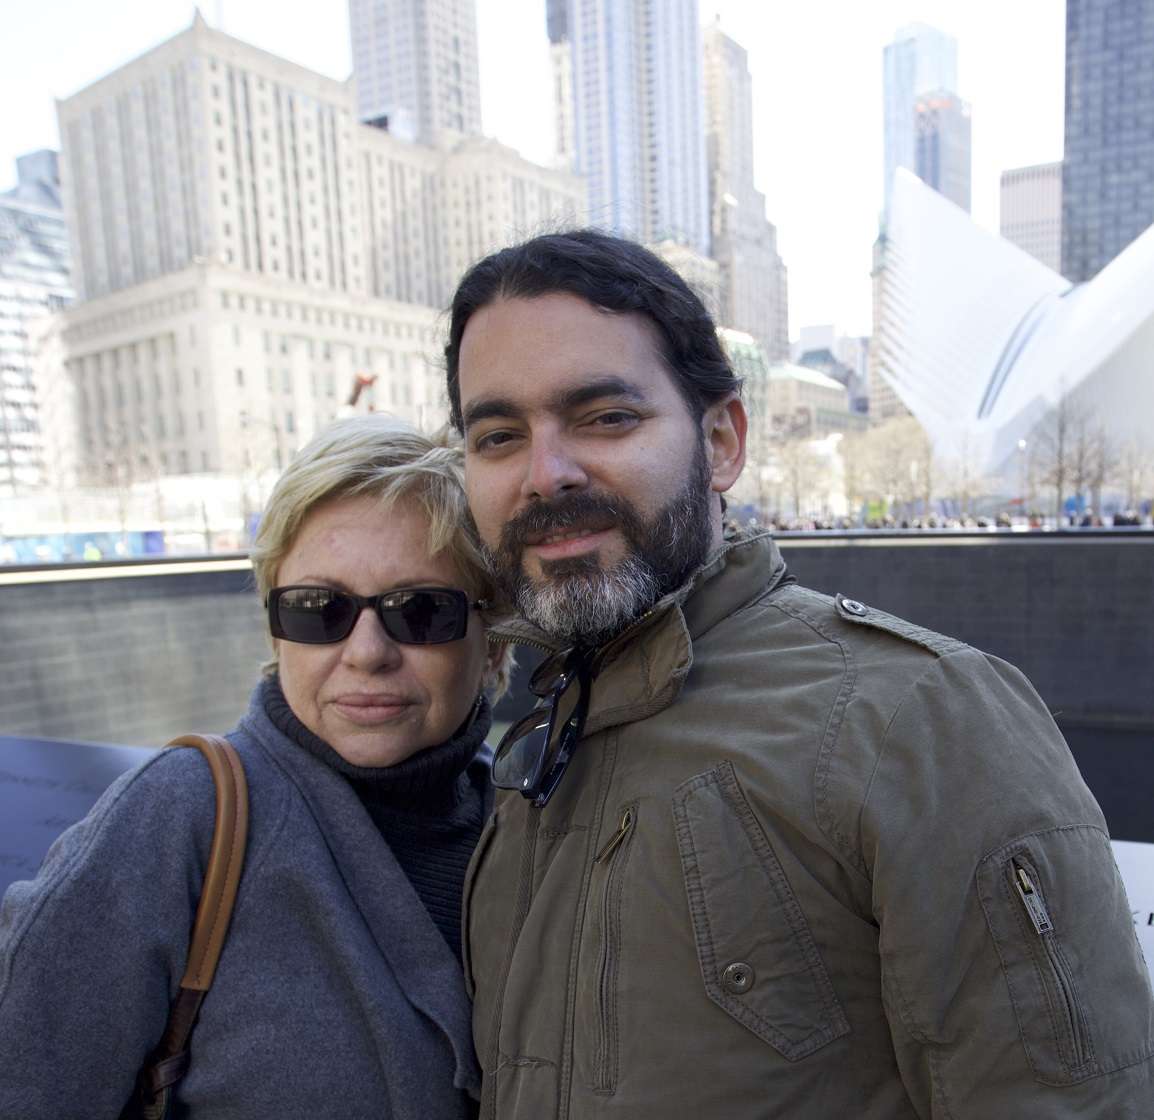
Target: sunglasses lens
<point>425,617</point>
<point>529,749</point>
<point>517,761</point>
<point>314,615</point>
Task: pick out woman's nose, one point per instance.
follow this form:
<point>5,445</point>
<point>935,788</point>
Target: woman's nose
<point>368,646</point>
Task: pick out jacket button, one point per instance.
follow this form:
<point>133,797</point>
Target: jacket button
<point>854,607</point>
<point>738,978</point>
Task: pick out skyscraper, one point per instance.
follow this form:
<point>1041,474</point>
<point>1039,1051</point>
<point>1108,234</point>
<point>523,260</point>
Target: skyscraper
<point>227,312</point>
<point>638,109</point>
<point>415,66</point>
<point>34,281</point>
<point>561,59</point>
<point>1031,211</point>
<point>1108,171</point>
<point>942,145</point>
<point>919,61</point>
<point>752,280</point>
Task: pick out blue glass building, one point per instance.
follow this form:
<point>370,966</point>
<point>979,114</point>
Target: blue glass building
<point>1108,175</point>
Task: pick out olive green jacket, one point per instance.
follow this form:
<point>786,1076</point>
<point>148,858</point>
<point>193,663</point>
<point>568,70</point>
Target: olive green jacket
<point>808,861</point>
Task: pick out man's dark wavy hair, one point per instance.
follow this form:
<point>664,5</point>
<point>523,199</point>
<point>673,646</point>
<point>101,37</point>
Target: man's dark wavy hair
<point>611,273</point>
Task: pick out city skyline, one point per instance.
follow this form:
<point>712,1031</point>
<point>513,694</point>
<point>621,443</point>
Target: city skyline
<point>817,110</point>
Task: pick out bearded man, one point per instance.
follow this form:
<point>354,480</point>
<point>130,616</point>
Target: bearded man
<point>761,853</point>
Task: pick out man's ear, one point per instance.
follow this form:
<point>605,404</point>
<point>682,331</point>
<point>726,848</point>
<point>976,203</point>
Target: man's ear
<point>725,424</point>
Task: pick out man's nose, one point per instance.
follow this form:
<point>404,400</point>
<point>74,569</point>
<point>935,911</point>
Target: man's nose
<point>553,469</point>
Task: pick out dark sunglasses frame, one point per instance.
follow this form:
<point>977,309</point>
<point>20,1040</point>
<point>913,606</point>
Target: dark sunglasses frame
<point>538,782</point>
<point>387,613</point>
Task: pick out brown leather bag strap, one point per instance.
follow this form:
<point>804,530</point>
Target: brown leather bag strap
<point>168,1063</point>
<point>225,859</point>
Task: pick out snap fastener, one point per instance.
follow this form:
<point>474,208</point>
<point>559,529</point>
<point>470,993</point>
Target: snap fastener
<point>854,607</point>
<point>738,977</point>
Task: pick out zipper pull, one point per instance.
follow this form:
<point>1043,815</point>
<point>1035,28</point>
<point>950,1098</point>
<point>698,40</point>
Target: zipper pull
<point>1035,907</point>
<point>615,840</point>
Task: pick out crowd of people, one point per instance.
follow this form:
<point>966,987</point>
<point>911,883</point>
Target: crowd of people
<point>1129,518</point>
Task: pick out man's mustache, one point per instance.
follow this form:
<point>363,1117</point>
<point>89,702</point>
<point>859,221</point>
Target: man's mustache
<point>544,517</point>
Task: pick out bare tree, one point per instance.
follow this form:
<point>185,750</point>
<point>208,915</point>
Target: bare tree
<point>804,476</point>
<point>1073,452</point>
<point>1133,470</point>
<point>891,464</point>
<point>854,450</point>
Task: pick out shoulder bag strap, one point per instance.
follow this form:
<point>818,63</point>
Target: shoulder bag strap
<point>169,1061</point>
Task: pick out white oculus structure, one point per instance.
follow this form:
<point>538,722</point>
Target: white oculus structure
<point>980,340</point>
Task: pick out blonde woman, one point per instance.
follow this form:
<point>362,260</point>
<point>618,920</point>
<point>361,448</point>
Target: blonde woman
<point>339,990</point>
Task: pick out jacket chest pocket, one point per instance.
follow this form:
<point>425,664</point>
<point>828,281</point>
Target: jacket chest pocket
<point>758,957</point>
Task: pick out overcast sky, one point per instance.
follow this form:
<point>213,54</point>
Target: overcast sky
<point>817,97</point>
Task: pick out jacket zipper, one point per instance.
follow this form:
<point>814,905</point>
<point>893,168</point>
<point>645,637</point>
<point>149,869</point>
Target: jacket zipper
<point>603,1078</point>
<point>1040,918</point>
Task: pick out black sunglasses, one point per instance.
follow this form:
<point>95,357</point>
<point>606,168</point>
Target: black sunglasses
<point>533,754</point>
<point>413,615</point>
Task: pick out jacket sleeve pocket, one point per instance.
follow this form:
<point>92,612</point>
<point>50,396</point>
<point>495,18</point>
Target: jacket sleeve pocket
<point>1057,912</point>
<point>757,954</point>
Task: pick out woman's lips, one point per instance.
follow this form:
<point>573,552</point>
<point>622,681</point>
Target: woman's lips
<point>367,710</point>
<point>566,546</point>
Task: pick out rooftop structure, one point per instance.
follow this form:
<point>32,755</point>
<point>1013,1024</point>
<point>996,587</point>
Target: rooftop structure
<point>980,340</point>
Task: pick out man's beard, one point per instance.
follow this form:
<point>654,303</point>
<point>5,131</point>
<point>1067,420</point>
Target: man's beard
<point>578,601</point>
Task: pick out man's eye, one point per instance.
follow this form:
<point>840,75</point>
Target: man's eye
<point>491,441</point>
<point>614,419</point>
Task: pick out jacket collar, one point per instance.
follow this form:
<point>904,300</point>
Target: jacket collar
<point>642,670</point>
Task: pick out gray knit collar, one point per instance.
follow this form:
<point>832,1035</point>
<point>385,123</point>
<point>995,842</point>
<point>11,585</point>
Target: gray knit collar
<point>434,777</point>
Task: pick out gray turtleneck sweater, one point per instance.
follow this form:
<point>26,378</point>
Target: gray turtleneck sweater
<point>429,808</point>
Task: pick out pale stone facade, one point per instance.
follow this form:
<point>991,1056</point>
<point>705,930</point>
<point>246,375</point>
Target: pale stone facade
<point>208,370</point>
<point>245,247</point>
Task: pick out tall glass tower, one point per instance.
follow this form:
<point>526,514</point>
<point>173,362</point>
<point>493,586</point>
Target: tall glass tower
<point>942,145</point>
<point>638,116</point>
<point>921,60</point>
<point>1108,173</point>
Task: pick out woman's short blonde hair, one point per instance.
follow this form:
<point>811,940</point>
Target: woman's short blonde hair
<point>382,457</point>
